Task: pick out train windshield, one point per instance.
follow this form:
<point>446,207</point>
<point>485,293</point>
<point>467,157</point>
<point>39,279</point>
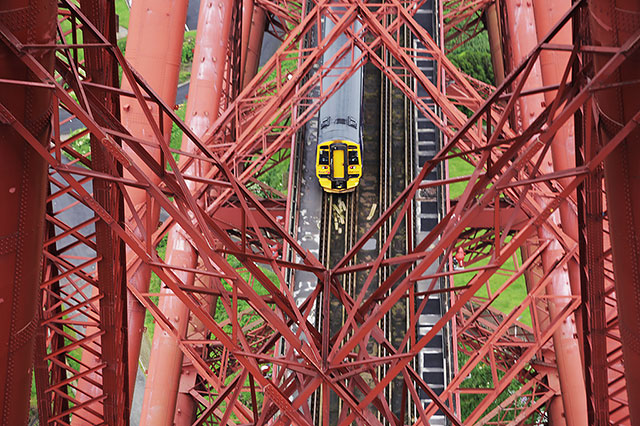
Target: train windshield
<point>353,157</point>
<point>323,157</point>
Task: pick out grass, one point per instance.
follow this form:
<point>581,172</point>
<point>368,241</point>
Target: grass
<point>517,291</point>
<point>508,300</point>
<point>512,295</point>
<point>480,377</point>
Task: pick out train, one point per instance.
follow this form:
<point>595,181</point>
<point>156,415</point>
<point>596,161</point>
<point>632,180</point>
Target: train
<point>339,148</point>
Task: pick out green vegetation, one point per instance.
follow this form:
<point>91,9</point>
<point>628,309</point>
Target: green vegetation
<point>122,10</point>
<point>176,133</point>
<point>188,47</point>
<point>154,287</point>
<point>287,65</point>
<point>480,377</point>
<point>275,174</point>
<point>458,167</point>
<point>474,59</point>
<point>512,296</point>
<point>516,292</point>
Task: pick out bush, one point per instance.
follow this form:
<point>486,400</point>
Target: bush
<point>188,47</point>
<point>474,59</point>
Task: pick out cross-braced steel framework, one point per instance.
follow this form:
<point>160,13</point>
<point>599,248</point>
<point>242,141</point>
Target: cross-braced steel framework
<point>463,20</point>
<point>270,355</point>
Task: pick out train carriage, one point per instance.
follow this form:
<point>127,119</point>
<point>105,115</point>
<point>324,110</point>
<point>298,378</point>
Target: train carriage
<point>339,149</point>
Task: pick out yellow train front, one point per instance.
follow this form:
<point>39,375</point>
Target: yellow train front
<point>339,149</point>
<point>339,165</point>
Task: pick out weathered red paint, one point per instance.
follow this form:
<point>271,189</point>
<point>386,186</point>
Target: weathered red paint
<point>23,177</point>
<point>110,342</point>
<point>614,23</point>
<point>522,39</point>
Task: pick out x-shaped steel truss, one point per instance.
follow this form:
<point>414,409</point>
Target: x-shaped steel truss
<point>258,123</point>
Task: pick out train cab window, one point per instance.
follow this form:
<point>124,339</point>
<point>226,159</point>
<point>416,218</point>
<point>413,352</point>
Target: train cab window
<point>325,122</point>
<point>341,121</point>
<point>353,156</point>
<point>323,157</point>
<point>352,123</point>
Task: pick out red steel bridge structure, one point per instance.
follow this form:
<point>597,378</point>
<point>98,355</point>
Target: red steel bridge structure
<point>554,152</point>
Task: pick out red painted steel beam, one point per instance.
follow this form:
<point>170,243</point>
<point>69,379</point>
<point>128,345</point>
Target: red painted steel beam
<point>206,90</point>
<point>154,46</point>
<point>22,194</point>
<point>130,165</point>
<point>512,216</point>
<point>231,217</point>
<point>554,65</point>
<point>614,23</point>
<point>111,265</point>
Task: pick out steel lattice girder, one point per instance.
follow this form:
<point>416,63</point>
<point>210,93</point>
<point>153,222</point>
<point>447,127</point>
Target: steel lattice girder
<point>507,172</point>
<point>463,20</point>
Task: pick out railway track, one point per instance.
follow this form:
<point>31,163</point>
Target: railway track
<point>338,233</point>
<point>397,152</point>
<point>346,217</point>
<point>388,167</point>
<point>436,359</point>
<point>387,158</point>
<point>391,141</point>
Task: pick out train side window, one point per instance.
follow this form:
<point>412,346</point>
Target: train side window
<point>353,156</point>
<point>323,158</point>
<point>353,123</point>
<point>325,122</point>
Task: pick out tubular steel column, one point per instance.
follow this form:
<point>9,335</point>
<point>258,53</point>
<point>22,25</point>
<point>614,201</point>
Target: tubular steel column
<point>492,20</point>
<point>205,93</point>
<point>254,20</point>
<point>553,64</point>
<point>154,46</point>
<point>523,38</point>
<point>612,24</point>
<point>185,407</point>
<point>23,177</point>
